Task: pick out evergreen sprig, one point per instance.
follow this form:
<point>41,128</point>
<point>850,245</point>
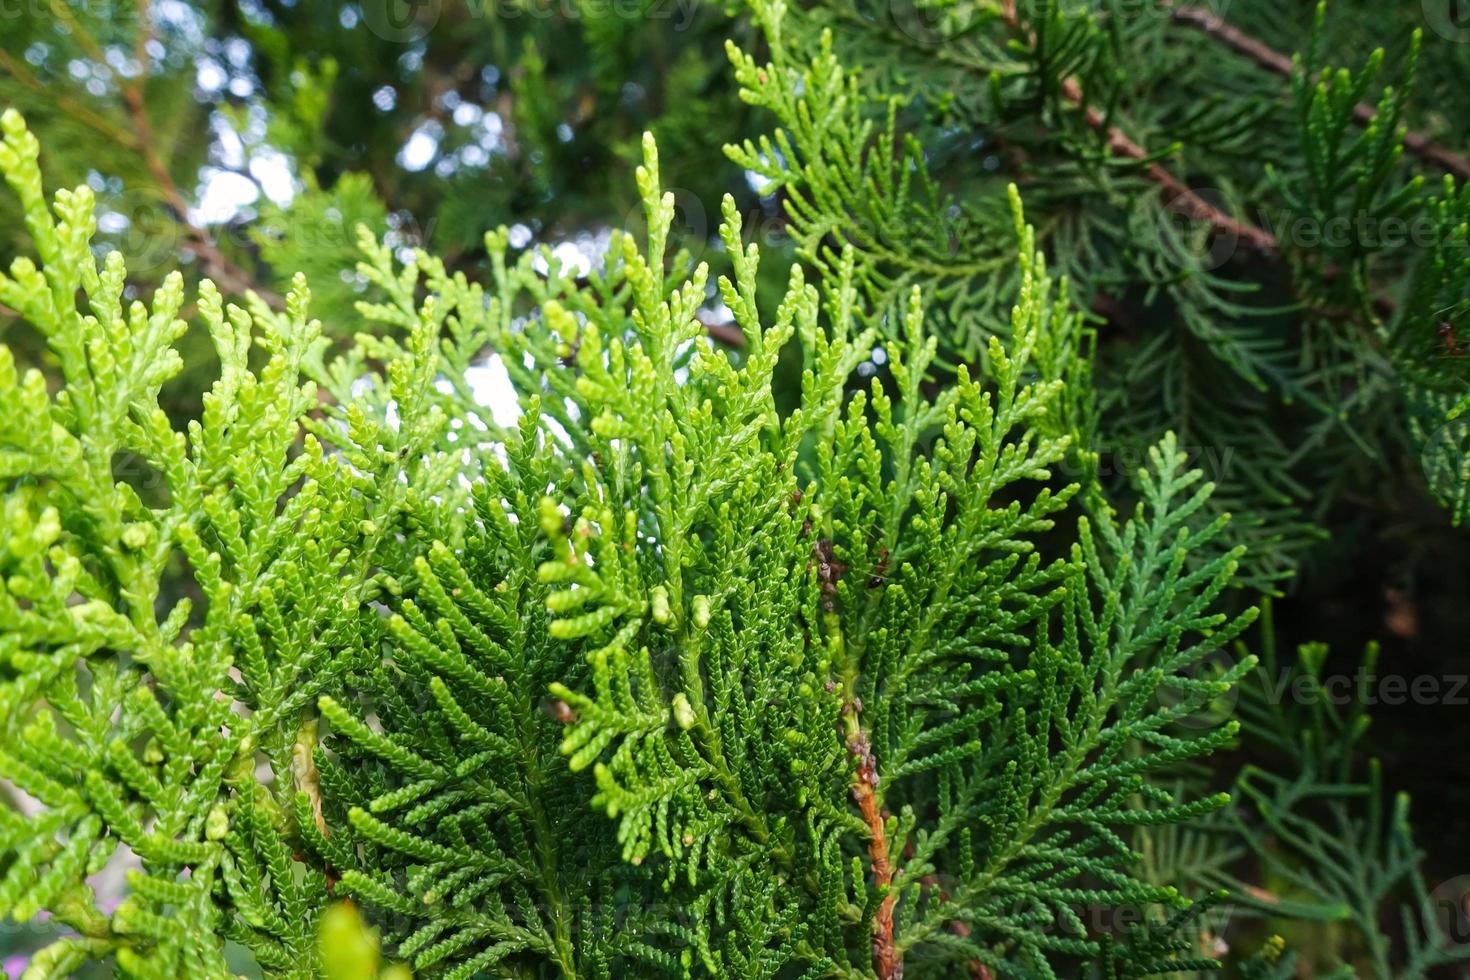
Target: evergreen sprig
<point>1334,847</point>
<point>763,632</point>
<point>181,732</point>
<point>899,125</point>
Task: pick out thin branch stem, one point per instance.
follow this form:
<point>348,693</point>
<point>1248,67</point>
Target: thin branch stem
<point>227,274</point>
<point>66,103</point>
<point>887,961</point>
<point>1181,198</point>
<point>141,140</point>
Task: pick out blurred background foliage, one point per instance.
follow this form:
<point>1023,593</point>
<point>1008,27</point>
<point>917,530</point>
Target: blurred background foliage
<point>244,141</point>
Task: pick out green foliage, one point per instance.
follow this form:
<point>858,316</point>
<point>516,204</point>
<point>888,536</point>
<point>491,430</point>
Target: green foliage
<point>174,728</point>
<point>552,99</point>
<point>1311,846</point>
<point>1337,851</point>
<point>763,631</point>
<point>1318,343</point>
<point>349,949</point>
<point>864,616</point>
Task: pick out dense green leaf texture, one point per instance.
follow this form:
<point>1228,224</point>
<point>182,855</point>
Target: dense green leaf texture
<point>848,683</point>
<point>179,733</point>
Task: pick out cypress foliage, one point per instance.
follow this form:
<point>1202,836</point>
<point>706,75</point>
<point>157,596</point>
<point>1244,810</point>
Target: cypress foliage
<point>843,638</point>
<point>844,697</point>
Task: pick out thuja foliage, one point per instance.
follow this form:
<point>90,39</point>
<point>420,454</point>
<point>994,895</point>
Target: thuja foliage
<point>142,725</point>
<point>534,112</point>
<point>1238,219</point>
<point>303,114</point>
<point>659,678</point>
<point>1312,839</point>
<point>1336,847</point>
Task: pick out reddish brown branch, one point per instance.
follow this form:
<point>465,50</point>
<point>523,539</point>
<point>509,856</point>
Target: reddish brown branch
<point>1272,60</point>
<point>1180,197</point>
<point>728,333</point>
<point>142,141</point>
<point>226,274</point>
<point>886,960</point>
<point>1232,37</point>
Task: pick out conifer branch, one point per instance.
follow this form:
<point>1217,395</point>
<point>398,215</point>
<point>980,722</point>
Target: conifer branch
<point>691,589</point>
<point>1179,195</point>
<point>977,970</point>
<point>218,266</point>
<point>76,110</point>
<point>1267,57</point>
<point>142,140</point>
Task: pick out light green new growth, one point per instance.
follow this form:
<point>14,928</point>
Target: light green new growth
<point>182,734</point>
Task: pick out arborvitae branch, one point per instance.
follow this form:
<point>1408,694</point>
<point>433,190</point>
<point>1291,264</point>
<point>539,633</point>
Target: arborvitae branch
<point>658,673</point>
<point>887,962</point>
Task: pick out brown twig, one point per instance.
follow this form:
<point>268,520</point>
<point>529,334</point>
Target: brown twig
<point>142,140</point>
<point>226,274</point>
<point>1181,198</point>
<point>229,276</point>
<point>727,333</point>
<point>66,103</point>
<point>887,962</point>
<point>308,781</point>
<point>1272,60</point>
